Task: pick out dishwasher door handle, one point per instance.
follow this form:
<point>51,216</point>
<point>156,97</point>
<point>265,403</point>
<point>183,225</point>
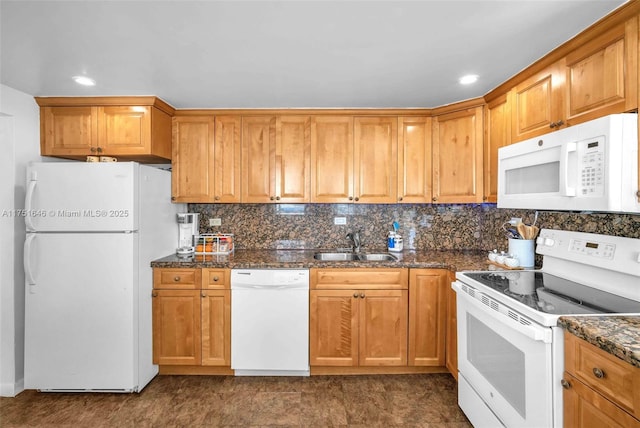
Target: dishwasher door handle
<point>268,287</point>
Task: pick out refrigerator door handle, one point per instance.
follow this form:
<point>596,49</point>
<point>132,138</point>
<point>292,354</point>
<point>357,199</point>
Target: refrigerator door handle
<point>28,200</point>
<point>28,273</point>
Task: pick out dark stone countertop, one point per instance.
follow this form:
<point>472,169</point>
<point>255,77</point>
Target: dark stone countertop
<point>618,335</point>
<point>454,260</point>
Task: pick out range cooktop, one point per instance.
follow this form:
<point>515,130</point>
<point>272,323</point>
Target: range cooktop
<point>543,292</point>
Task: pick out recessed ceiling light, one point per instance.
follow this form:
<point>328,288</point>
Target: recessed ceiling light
<point>84,80</point>
<point>468,79</point>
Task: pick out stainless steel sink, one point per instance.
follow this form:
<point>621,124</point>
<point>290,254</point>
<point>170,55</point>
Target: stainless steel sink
<point>378,257</point>
<point>335,257</point>
<point>364,257</point>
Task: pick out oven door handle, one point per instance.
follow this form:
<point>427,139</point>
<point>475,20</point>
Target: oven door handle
<point>532,331</point>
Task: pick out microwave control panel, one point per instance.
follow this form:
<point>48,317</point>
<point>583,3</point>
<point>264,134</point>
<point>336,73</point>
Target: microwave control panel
<point>591,158</point>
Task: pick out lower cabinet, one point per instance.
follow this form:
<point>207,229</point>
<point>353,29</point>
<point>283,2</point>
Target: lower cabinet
<point>600,390</point>
<point>191,320</point>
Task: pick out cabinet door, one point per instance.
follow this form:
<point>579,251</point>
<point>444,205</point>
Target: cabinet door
<point>427,316</point>
<point>332,159</point>
<point>538,103</point>
<point>414,160</point>
<point>216,327</point>
<point>383,327</point>
<point>258,159</point>
<point>585,408</point>
<point>176,327</point>
<point>227,159</point>
<point>602,75</point>
<point>497,134</point>
<point>333,324</point>
<point>124,130</point>
<point>293,156</point>
<point>452,331</point>
<point>457,157</point>
<point>192,176</point>
<point>375,159</point>
<point>69,131</point>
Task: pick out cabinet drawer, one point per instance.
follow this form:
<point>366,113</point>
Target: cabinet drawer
<point>615,379</point>
<point>216,278</point>
<point>359,278</point>
<point>176,278</point>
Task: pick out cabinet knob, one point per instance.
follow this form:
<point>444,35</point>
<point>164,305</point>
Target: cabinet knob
<point>400,199</point>
<point>216,278</point>
<point>216,198</point>
<point>638,193</point>
<point>362,295</point>
<point>93,149</point>
<point>173,198</point>
<point>357,199</point>
<point>176,279</point>
<point>355,295</point>
<point>277,198</point>
<point>154,294</point>
<point>565,384</point>
<point>598,373</point>
<point>434,199</point>
<point>272,198</point>
<point>203,294</point>
<point>99,149</point>
<point>351,198</point>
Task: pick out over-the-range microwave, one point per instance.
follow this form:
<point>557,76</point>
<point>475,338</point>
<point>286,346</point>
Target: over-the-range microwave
<point>592,166</point>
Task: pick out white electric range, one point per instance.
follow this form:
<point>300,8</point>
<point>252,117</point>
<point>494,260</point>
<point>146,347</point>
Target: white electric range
<point>510,350</point>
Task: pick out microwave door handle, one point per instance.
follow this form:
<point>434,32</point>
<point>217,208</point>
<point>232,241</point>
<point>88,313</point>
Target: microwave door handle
<point>566,150</point>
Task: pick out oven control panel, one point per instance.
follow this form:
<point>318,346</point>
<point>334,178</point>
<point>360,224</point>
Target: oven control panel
<point>608,252</point>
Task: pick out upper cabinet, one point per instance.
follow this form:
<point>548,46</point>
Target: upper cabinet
<point>457,156</point>
<point>130,128</point>
<point>206,159</point>
<point>414,160</point>
<point>354,159</point>
<point>497,133</point>
<point>276,158</point>
<point>597,77</point>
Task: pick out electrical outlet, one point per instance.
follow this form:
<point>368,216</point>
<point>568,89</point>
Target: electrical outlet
<point>215,222</point>
<point>339,220</point>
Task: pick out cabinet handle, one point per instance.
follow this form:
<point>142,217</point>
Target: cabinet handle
<point>173,198</point>
<point>272,198</point>
<point>99,149</point>
<point>351,198</point>
<point>362,295</point>
<point>203,294</point>
<point>277,198</point>
<point>216,198</point>
<point>216,278</point>
<point>176,279</point>
<point>638,193</point>
<point>434,199</point>
<point>565,384</point>
<point>598,373</point>
<point>357,199</point>
<point>400,199</point>
<point>355,295</point>
<point>154,294</point>
<point>93,149</point>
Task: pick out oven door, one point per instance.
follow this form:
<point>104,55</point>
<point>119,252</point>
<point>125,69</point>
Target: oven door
<point>506,360</point>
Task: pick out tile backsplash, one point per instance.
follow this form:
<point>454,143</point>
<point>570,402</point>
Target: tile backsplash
<point>423,226</point>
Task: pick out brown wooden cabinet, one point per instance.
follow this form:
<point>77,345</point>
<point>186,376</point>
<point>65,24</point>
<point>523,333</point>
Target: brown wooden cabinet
<point>191,320</point>
<point>354,159</point>
<point>206,159</point>
<point>414,160</point>
<point>275,159</point>
<point>497,134</point>
<point>428,291</point>
<point>129,128</point>
<point>457,156</point>
<point>600,390</point>
<point>358,317</point>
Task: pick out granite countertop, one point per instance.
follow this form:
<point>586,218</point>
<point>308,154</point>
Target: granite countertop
<point>454,260</point>
<point>618,335</point>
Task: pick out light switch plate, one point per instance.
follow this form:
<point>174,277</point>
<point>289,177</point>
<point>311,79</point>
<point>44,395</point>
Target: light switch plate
<point>215,222</point>
<point>339,220</point>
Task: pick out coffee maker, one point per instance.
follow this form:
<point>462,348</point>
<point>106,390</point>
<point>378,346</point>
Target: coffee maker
<point>188,227</point>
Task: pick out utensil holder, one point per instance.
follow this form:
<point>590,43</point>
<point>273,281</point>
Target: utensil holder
<point>524,250</point>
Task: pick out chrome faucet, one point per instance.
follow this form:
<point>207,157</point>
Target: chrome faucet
<point>354,237</point>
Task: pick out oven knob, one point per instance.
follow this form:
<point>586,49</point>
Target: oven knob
<point>549,242</point>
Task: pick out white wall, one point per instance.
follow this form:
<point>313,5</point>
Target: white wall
<point>19,144</point>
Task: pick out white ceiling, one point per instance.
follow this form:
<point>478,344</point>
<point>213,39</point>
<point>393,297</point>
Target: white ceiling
<point>279,54</point>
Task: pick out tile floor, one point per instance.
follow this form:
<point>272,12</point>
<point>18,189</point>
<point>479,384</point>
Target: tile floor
<point>216,401</point>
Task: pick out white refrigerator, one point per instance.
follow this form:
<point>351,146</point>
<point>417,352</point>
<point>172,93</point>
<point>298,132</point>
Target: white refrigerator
<point>92,231</point>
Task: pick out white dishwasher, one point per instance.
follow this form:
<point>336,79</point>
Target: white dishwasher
<point>270,322</point>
